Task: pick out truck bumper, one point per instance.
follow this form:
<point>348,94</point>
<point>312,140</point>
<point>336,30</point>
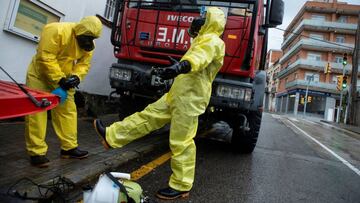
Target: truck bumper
<point>244,96</point>
<point>226,102</point>
<point>136,78</point>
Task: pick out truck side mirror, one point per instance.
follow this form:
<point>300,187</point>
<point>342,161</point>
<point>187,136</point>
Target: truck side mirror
<point>276,13</point>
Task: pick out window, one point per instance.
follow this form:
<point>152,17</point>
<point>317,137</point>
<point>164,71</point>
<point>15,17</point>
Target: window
<point>334,79</point>
<point>318,17</point>
<point>340,39</point>
<point>295,76</point>
<point>229,8</point>
<point>338,59</point>
<point>27,18</point>
<point>316,36</point>
<point>342,19</point>
<point>314,56</point>
<point>313,77</point>
<point>109,9</point>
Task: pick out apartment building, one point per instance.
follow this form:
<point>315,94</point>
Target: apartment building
<point>320,34</point>
<point>272,67</point>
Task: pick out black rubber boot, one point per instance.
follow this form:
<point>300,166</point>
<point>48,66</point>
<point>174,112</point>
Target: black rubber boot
<point>171,194</point>
<point>101,132</point>
<point>75,153</point>
<point>39,161</point>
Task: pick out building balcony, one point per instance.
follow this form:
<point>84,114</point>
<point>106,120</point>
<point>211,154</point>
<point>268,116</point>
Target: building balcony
<point>273,90</point>
<point>313,65</point>
<point>316,45</point>
<point>319,86</point>
<point>322,26</point>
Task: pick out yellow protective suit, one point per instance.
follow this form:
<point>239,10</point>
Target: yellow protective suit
<point>186,100</point>
<point>58,55</point>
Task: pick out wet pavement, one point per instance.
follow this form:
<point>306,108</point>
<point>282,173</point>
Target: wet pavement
<point>344,142</point>
<point>286,166</point>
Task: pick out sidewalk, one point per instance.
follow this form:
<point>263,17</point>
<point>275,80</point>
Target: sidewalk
<point>354,129</point>
<point>15,161</point>
<point>351,128</point>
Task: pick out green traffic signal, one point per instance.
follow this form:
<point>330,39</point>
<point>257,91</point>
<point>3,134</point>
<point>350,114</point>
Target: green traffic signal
<point>344,82</point>
<point>345,59</point>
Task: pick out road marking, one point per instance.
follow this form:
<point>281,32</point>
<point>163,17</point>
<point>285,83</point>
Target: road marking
<point>353,168</point>
<point>275,116</point>
<point>293,119</point>
<point>147,168</point>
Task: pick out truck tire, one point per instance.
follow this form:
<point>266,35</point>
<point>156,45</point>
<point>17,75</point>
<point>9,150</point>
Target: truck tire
<point>245,142</point>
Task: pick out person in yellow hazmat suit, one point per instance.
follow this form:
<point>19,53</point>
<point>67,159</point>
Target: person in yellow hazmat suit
<point>61,62</point>
<point>186,100</point>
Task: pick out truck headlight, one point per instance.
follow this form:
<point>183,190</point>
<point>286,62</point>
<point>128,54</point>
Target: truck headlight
<point>248,94</point>
<point>234,92</point>
<point>120,74</point>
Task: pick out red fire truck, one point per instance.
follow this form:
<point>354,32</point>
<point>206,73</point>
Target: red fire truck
<point>146,32</point>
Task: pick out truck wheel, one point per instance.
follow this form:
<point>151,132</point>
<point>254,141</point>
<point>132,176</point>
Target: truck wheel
<point>246,142</point>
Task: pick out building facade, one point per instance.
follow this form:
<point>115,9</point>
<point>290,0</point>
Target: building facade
<point>319,36</point>
<point>272,67</point>
<point>21,24</point>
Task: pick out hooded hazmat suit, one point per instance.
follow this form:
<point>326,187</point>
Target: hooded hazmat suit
<point>58,56</point>
<point>181,106</point>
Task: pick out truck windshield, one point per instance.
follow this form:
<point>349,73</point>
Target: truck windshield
<point>232,8</point>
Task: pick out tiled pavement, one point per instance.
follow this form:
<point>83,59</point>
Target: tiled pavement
<point>14,162</point>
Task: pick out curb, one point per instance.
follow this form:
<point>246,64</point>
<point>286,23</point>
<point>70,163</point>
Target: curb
<point>336,126</point>
<point>105,161</point>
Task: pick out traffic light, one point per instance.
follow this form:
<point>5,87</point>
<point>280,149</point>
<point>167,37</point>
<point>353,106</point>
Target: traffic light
<point>345,59</point>
<point>339,83</point>
<point>327,68</point>
<point>344,82</point>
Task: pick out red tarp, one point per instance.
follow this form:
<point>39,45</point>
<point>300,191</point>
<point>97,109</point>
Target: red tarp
<point>15,103</point>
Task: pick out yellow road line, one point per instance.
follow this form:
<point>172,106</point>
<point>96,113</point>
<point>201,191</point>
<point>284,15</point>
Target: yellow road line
<point>145,169</point>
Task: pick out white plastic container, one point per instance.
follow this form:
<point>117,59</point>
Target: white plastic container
<point>105,190</point>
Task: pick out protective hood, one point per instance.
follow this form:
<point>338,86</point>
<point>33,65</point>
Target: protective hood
<point>89,26</point>
<point>215,22</point>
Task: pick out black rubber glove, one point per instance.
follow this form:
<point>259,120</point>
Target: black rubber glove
<point>70,82</point>
<point>174,70</point>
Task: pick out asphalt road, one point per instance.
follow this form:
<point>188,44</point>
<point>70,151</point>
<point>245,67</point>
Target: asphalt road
<point>286,166</point>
